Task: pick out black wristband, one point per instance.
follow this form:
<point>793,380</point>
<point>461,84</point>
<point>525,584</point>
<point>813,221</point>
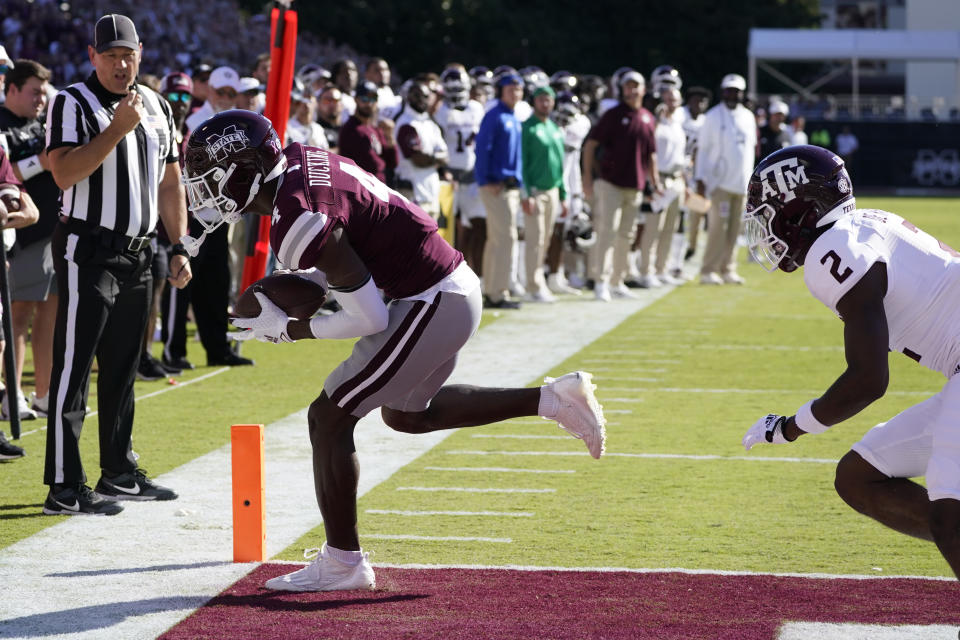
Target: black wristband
<point>179,250</point>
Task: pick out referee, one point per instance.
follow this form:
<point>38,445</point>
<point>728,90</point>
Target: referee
<point>111,148</point>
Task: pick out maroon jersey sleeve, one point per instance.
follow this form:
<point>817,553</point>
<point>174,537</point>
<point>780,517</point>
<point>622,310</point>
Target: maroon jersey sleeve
<point>409,140</point>
<point>7,176</point>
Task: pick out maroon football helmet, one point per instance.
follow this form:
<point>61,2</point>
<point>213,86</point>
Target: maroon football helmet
<point>228,159</point>
<point>794,195</point>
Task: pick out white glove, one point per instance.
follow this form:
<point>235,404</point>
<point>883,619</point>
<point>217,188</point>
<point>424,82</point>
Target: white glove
<point>768,429</point>
<point>269,326</point>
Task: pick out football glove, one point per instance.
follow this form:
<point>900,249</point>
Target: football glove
<point>269,326</point>
<point>768,429</point>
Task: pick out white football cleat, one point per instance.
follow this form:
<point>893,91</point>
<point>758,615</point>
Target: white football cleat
<point>579,413</point>
<point>326,574</point>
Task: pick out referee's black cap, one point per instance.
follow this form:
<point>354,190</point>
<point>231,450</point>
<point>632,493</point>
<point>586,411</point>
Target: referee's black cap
<point>115,30</point>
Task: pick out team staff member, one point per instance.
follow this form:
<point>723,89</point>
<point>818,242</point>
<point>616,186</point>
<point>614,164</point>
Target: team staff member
<point>111,147</point>
<point>499,174</point>
<point>366,140</point>
<point>625,134</point>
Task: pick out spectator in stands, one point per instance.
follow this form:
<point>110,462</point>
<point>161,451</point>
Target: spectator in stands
<point>775,135</point>
<point>261,70</point>
<point>201,86</point>
<point>367,141</point>
<point>329,109</point>
<point>345,76</point>
<point>726,148</point>
<point>542,150</point>
<point>625,137</point>
<point>422,150</point>
<point>302,126</point>
<point>377,71</point>
<point>250,96</point>
<point>33,289</point>
<point>224,87</point>
<point>500,174</point>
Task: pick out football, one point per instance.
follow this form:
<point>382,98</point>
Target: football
<point>298,296</point>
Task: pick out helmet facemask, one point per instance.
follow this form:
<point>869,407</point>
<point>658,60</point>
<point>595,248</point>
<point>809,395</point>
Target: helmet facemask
<point>765,247</point>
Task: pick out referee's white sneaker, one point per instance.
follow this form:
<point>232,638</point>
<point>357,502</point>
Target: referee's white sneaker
<point>326,573</point>
<point>577,410</point>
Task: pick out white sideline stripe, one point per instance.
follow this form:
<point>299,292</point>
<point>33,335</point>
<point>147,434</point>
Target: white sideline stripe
<point>495,514</point>
<point>517,436</point>
<point>615,354</point>
<point>387,536</point>
<point>851,631</point>
<point>654,456</point>
<point>478,489</point>
<point>619,410</point>
<point>619,400</point>
<point>499,470</point>
<point>172,387</point>
<point>603,378</point>
<point>107,583</point>
<point>694,572</point>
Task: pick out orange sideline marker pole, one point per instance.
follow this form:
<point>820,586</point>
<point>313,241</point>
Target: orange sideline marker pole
<point>249,510</point>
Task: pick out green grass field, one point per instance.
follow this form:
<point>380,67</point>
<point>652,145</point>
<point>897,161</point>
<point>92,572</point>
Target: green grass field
<point>686,376</point>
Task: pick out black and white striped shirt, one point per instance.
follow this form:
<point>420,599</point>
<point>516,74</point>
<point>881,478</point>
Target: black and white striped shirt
<point>121,194</point>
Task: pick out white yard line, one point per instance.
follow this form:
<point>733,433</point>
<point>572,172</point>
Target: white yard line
<point>498,470</point>
<point>653,456</point>
<point>517,436</point>
<point>852,631</point>
<point>476,489</point>
<point>152,394</point>
<point>492,514</point>
<point>136,574</point>
<point>391,536</point>
<point>813,392</point>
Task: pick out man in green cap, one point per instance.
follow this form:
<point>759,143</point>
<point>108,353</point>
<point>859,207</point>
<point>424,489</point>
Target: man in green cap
<point>542,150</point>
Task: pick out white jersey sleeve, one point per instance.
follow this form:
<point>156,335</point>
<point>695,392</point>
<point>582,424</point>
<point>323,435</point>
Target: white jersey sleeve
<point>837,261</point>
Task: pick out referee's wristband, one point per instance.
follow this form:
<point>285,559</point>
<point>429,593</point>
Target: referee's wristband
<point>179,250</point>
<point>807,422</point>
<point>30,167</point>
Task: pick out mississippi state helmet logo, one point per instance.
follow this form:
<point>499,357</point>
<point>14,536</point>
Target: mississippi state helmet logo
<point>781,178</point>
<point>220,146</point>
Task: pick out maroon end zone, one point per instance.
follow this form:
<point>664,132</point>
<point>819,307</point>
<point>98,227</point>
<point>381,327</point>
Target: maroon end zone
<point>492,603</point>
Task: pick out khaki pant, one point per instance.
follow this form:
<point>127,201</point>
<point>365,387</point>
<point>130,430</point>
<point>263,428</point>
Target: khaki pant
<point>723,227</point>
<point>615,222</point>
<point>659,229</point>
<point>694,221</point>
<point>502,211</point>
<point>538,230</point>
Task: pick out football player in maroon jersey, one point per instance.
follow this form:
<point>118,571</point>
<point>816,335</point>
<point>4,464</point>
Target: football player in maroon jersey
<point>362,237</point>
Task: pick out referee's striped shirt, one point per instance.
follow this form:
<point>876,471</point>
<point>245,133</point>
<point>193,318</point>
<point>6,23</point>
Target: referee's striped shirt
<point>121,194</point>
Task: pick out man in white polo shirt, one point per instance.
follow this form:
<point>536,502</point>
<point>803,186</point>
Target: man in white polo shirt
<point>726,150</point>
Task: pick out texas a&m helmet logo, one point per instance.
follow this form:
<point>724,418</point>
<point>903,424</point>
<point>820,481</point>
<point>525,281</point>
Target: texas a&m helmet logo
<point>781,178</point>
<point>232,139</point>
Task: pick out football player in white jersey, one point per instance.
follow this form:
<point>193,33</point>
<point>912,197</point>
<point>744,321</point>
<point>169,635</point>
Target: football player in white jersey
<point>459,117</point>
<point>896,288</point>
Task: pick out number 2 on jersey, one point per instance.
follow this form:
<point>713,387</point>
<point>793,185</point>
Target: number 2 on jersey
<point>835,266</point>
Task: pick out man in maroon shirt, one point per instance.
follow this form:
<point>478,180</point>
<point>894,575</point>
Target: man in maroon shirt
<point>364,140</point>
<point>625,135</point>
<point>356,236</point>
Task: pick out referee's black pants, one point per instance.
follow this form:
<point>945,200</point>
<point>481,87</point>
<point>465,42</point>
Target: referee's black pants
<point>103,307</point>
<point>208,293</point>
